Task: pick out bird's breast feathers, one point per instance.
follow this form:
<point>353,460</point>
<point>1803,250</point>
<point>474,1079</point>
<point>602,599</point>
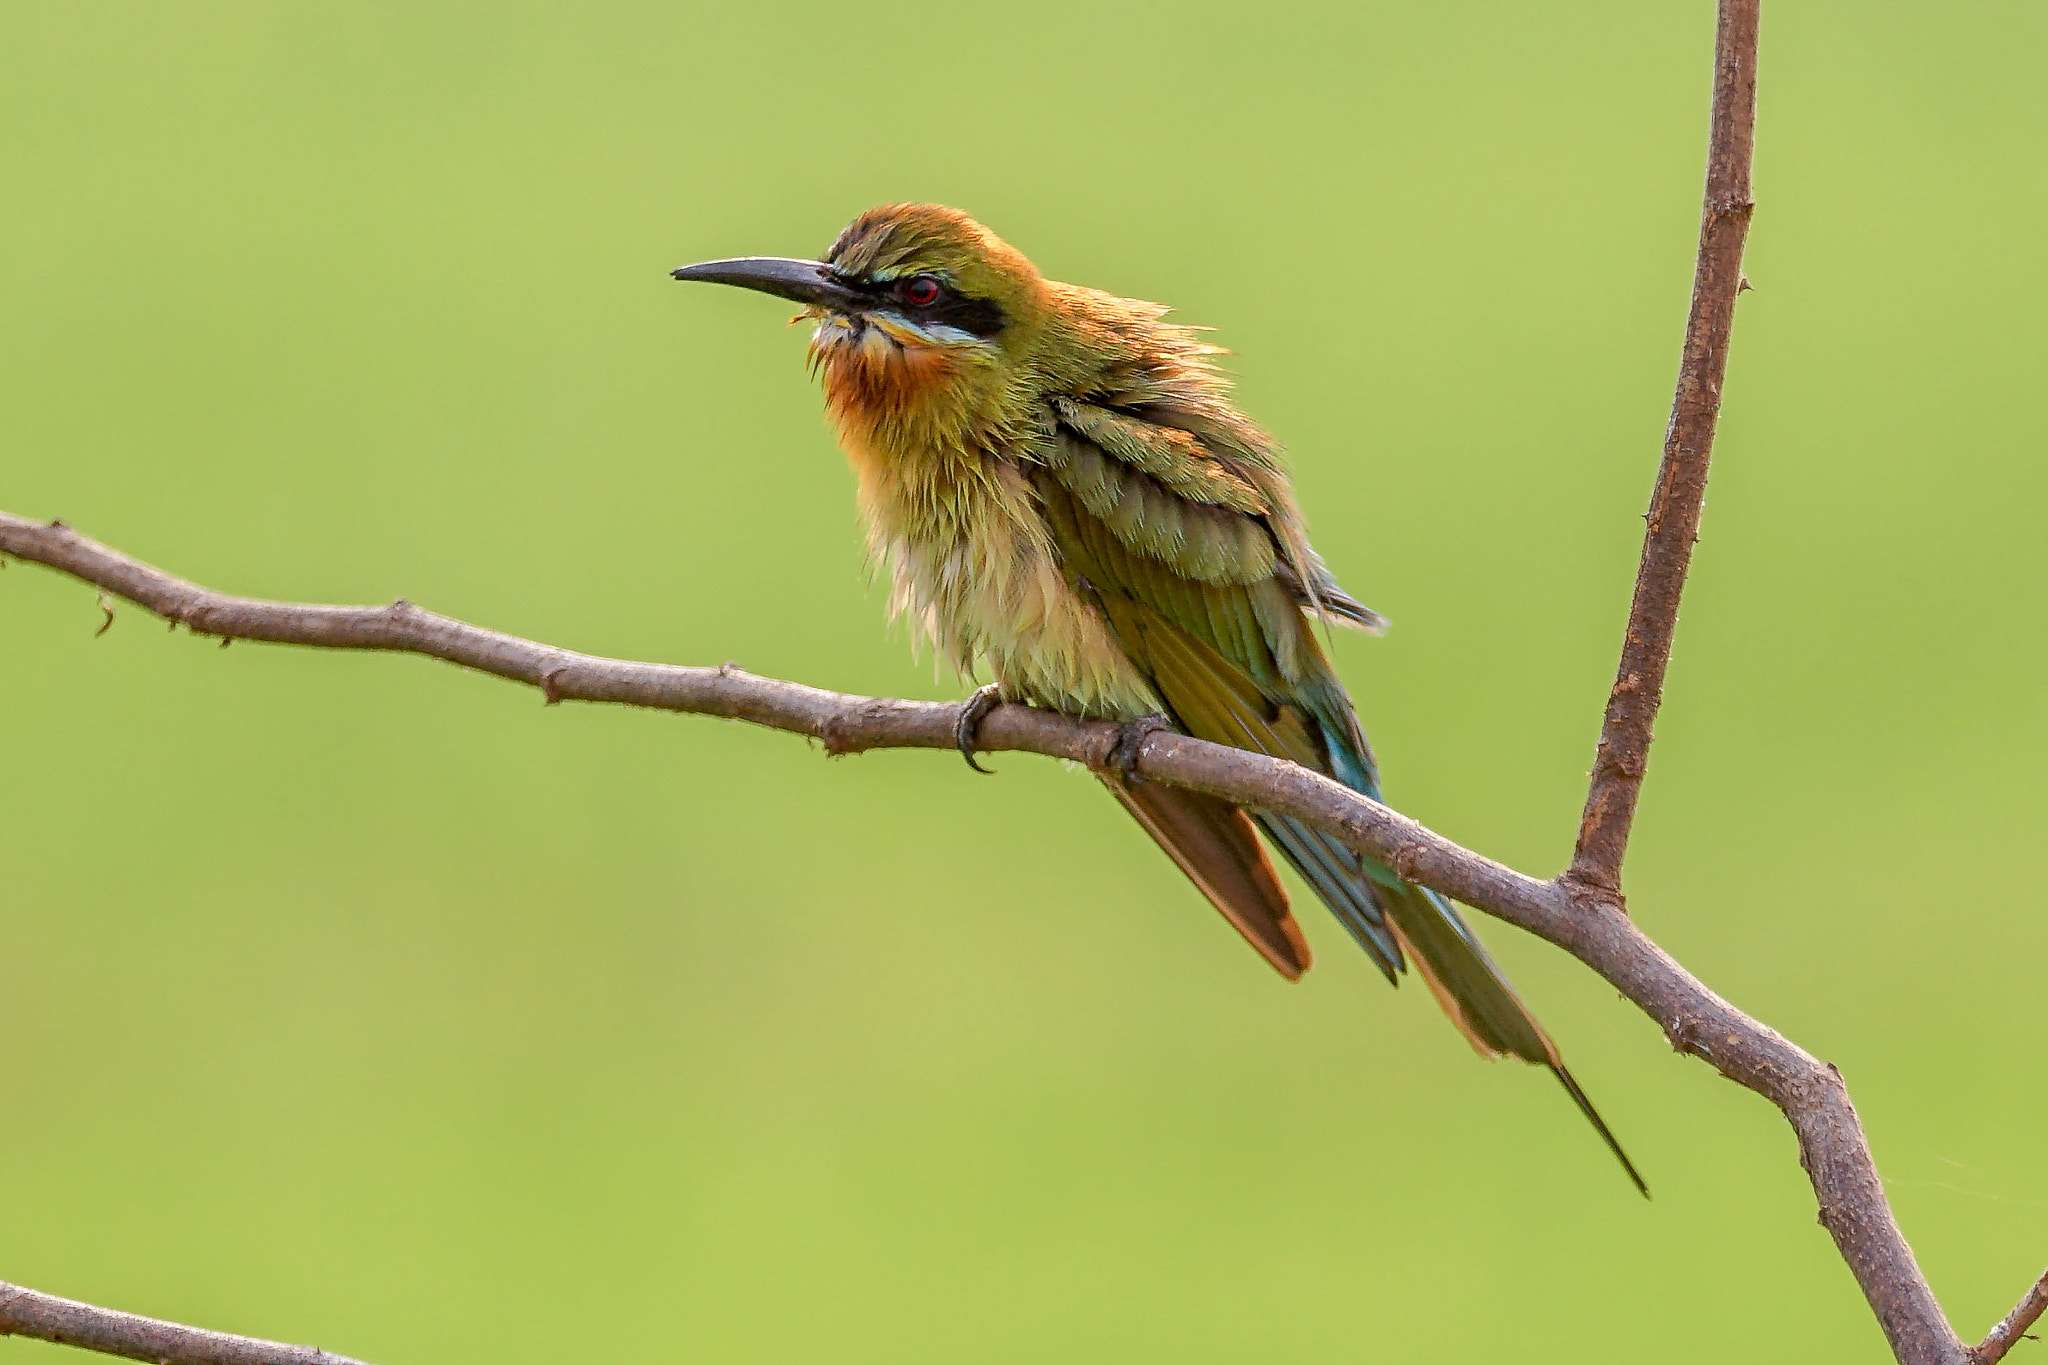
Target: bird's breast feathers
<point>973,569</point>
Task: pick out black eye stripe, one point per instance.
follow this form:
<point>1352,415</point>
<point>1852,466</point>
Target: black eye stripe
<point>977,317</point>
<point>980,317</point>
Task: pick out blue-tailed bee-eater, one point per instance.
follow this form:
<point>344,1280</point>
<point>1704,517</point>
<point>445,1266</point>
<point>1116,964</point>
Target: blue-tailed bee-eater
<point>1067,501</point>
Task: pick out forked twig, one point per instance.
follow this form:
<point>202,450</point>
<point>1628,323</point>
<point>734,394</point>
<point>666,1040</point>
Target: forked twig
<point>1581,911</point>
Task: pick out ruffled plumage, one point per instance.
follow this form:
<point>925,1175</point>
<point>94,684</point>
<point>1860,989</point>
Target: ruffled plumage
<point>1068,501</point>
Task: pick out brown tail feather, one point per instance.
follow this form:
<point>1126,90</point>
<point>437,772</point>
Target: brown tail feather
<point>1215,844</point>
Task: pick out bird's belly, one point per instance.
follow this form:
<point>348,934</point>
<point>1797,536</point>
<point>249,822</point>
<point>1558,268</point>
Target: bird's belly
<point>1010,611</point>
<point>975,572</point>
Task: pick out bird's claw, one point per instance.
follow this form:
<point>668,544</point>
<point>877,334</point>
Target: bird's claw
<point>968,724</point>
<point>1123,755</point>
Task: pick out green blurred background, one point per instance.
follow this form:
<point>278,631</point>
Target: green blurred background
<point>360,1001</point>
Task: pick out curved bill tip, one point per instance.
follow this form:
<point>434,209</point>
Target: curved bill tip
<point>809,282</point>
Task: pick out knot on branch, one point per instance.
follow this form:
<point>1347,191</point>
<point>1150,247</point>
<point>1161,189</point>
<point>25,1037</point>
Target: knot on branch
<point>1815,1088</point>
<point>199,618</point>
<point>845,731</point>
<point>1713,1045</point>
<point>1592,888</point>
<point>1633,766</point>
<point>1408,859</point>
<point>1682,1036</point>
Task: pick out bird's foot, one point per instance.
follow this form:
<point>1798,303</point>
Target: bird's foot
<point>973,712</point>
<point>1122,758</point>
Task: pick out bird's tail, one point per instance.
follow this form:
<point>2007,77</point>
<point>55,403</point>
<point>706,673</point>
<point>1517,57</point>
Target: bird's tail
<point>1215,844</point>
<point>1396,920</point>
<point>1472,991</point>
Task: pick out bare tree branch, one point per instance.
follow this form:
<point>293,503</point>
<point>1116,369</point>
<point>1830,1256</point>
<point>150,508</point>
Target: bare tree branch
<point>1674,516</point>
<point>1588,925</point>
<point>25,1313</point>
<point>2015,1325</point>
<point>843,724</point>
<point>1581,911</point>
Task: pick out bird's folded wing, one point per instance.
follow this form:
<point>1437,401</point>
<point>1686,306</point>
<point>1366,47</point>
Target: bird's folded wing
<point>1222,640</point>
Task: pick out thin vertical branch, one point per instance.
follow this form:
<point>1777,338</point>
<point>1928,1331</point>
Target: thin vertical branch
<point>1580,912</point>
<point>1674,516</point>
<point>1582,921</point>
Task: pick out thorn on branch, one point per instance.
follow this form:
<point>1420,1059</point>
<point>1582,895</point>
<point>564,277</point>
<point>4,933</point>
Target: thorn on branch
<point>106,609</point>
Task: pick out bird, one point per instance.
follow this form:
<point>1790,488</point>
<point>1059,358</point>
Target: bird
<point>1066,499</point>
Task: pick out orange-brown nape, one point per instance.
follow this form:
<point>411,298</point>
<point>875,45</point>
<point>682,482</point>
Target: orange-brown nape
<point>1066,500</point>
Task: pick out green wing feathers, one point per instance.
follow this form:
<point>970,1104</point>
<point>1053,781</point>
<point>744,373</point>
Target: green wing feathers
<point>1209,650</point>
<point>1200,568</point>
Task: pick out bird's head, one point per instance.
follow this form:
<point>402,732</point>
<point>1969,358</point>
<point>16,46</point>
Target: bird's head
<point>926,320</point>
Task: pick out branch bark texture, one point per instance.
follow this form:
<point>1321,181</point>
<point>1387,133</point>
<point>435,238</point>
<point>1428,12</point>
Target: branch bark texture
<point>2014,1326</point>
<point>26,1313</point>
<point>1674,517</point>
<point>1580,911</point>
<point>1588,925</point>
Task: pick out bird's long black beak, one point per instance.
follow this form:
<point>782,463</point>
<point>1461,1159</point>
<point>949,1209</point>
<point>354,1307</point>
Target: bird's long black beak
<point>810,282</point>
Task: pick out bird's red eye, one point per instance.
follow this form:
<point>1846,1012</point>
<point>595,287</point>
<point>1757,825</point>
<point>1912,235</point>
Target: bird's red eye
<point>920,291</point>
